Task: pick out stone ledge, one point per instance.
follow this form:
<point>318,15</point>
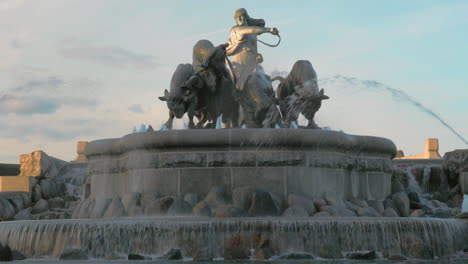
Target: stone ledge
<point>262,138</point>
<point>140,159</point>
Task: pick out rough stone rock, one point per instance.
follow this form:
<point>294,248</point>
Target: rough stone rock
<point>296,256</point>
<point>148,198</point>
<point>5,253</point>
<point>135,210</point>
<point>7,211</point>
<point>74,254</point>
<point>17,255</point>
<point>242,197</point>
<point>172,254</point>
<point>192,198</point>
<point>307,204</point>
<point>377,205</point>
<point>262,204</point>
<point>402,203</point>
<point>363,255</point>
<point>333,199</point>
<point>40,207</point>
<point>295,211</point>
<point>397,186</point>
<point>115,208</point>
<point>322,214</point>
<point>455,162</point>
<point>17,202</point>
<point>389,203</point>
<point>443,197</point>
<point>227,211</point>
<point>279,201</point>
<point>368,212</point>
<point>56,202</point>
<point>201,209</point>
<point>50,189</point>
<point>438,204</point>
<point>351,206</point>
<point>115,256</point>
<point>390,212</point>
<point>100,208</point>
<point>397,258</point>
<point>417,213</point>
<point>216,197</point>
<point>36,193</point>
<point>203,254</point>
<point>84,210</point>
<point>456,201</point>
<point>456,190</point>
<point>39,164</point>
<point>319,202</point>
<point>133,256</point>
<point>159,206</point>
<point>236,253</point>
<point>264,253</point>
<point>463,215</point>
<point>179,207</point>
<point>24,214</point>
<point>338,211</point>
<point>442,213</point>
<point>414,197</point>
<point>413,246</point>
<point>359,202</point>
<point>415,206</point>
<point>130,200</point>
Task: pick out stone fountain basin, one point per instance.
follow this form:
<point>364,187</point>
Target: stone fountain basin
<point>301,161</point>
<point>323,237</point>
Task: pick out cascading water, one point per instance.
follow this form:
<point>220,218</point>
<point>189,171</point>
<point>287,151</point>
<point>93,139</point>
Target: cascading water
<point>422,238</point>
<point>426,178</point>
<point>465,204</point>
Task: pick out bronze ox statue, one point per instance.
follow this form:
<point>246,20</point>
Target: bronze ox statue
<point>203,90</point>
<point>206,90</point>
<point>299,93</point>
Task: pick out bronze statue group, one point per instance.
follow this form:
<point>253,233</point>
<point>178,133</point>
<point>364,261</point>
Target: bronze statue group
<point>237,89</point>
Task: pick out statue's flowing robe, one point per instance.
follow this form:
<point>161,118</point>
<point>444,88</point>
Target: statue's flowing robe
<point>243,49</point>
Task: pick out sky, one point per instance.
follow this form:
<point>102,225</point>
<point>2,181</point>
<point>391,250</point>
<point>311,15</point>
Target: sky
<point>84,70</point>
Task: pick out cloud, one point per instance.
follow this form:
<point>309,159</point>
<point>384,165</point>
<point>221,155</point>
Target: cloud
<point>135,108</point>
<point>25,105</point>
<point>51,83</point>
<point>53,130</point>
<point>111,56</point>
<point>10,4</point>
<point>46,96</point>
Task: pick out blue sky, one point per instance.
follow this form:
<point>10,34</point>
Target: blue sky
<point>84,70</point>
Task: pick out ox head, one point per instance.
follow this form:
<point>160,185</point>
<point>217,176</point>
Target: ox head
<point>175,103</point>
<point>305,101</point>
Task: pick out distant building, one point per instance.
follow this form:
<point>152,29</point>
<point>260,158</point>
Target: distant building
<point>431,151</point>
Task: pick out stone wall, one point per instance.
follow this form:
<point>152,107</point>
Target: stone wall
<point>305,162</point>
<point>8,169</point>
<point>14,184</point>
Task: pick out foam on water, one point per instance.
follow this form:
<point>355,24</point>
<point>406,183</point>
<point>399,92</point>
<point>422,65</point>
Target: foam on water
<point>154,236</point>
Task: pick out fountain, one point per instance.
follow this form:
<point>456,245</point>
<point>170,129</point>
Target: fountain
<point>251,189</point>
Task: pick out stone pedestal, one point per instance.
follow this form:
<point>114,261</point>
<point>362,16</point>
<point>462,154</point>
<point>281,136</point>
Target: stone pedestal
<point>80,150</point>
